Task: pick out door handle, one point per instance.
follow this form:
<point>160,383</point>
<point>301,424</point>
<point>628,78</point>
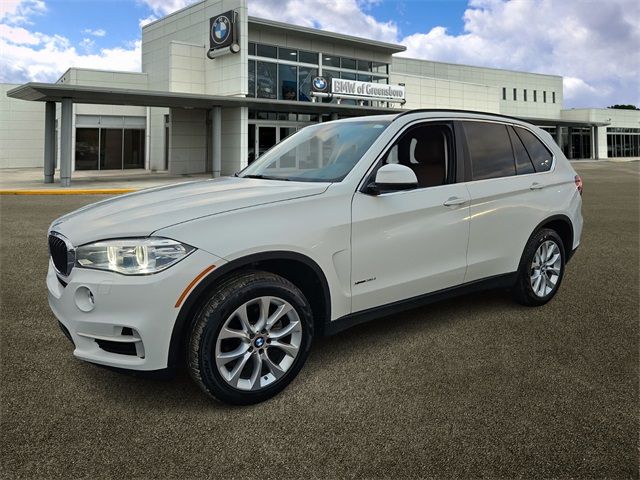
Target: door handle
<point>453,201</point>
<point>536,186</point>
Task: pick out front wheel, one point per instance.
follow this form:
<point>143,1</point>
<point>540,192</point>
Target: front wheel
<point>541,269</point>
<point>250,338</point>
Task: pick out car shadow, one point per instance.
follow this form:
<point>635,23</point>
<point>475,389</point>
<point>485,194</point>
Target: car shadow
<point>180,393</point>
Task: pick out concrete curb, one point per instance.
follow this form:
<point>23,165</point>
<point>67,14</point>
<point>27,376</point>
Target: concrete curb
<point>78,191</point>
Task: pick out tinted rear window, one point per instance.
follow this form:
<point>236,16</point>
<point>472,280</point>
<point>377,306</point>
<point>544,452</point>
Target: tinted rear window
<point>523,161</point>
<point>540,155</point>
<point>489,149</point>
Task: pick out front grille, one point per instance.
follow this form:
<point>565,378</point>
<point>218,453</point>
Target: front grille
<point>62,258</point>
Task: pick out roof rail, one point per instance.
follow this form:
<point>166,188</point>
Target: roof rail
<point>453,110</point>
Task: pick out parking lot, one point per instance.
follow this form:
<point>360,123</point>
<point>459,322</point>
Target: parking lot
<point>471,387</point>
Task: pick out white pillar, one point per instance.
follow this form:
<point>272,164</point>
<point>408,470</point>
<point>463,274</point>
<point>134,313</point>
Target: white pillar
<point>49,141</point>
<point>66,141</point>
<point>216,140</point>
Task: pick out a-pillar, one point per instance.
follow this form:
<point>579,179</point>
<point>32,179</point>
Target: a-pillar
<point>65,141</point>
<point>49,141</point>
<point>216,140</point>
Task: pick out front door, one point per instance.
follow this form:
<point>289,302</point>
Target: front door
<point>409,243</point>
<point>267,137</point>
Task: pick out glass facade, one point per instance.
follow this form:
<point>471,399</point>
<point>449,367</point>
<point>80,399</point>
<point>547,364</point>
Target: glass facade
<point>623,142</point>
<point>109,148</point>
<point>286,74</point>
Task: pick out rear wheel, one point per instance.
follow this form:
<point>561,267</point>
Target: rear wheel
<point>251,338</point>
<point>541,269</point>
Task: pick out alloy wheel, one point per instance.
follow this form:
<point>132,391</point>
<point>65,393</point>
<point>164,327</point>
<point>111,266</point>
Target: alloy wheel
<point>545,268</point>
<point>258,343</point>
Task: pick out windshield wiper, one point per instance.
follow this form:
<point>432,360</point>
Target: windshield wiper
<point>266,177</point>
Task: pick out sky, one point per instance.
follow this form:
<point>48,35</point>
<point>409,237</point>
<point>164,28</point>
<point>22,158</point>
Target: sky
<point>594,45</point>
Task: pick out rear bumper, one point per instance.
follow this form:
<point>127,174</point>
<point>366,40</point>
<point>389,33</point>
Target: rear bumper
<point>130,322</point>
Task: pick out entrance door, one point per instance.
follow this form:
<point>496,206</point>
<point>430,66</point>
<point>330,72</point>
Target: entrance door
<point>267,137</point>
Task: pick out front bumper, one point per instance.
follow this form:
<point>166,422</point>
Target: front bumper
<point>129,322</point>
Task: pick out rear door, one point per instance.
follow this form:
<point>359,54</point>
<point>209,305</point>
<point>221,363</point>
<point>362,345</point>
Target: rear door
<point>408,243</point>
<point>508,197</point>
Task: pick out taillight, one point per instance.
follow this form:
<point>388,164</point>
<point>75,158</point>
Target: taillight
<point>578,181</point>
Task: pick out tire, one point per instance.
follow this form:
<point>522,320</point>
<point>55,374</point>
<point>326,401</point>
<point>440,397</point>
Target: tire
<point>538,258</point>
<point>245,364</point>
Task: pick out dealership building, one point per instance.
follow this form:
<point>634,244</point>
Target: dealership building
<point>218,88</point>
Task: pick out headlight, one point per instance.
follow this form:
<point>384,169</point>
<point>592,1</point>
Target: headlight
<point>132,256</point>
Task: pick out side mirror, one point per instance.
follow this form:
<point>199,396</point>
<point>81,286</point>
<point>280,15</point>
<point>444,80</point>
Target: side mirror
<point>392,178</point>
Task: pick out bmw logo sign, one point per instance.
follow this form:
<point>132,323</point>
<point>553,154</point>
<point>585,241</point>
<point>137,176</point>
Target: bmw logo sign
<point>220,30</point>
<point>320,84</point>
<point>259,342</point>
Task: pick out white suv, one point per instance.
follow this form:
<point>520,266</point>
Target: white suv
<point>340,223</point>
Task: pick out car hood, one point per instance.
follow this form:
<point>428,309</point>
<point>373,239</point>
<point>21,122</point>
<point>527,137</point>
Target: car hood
<point>141,213</point>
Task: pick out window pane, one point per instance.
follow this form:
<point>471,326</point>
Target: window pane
<point>266,79</point>
<point>489,149</point>
<point>252,78</point>
<point>110,149</point>
<point>267,51</point>
<point>288,78</point>
<point>540,156</point>
<point>133,148</point>
<point>364,65</point>
<point>331,61</point>
<point>364,78</point>
<point>288,54</point>
<point>308,57</point>
<point>252,48</point>
<point>504,93</point>
<point>349,63</point>
<point>523,162</point>
<point>425,149</point>
<point>379,67</point>
<point>305,77</point>
<point>86,148</point>
<point>515,94</point>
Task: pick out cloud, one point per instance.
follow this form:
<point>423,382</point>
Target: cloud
<point>594,45</point>
<point>34,56</point>
<point>165,7</point>
<point>145,21</point>
<point>54,55</point>
<point>342,16</point>
<point>18,11</point>
<point>100,32</point>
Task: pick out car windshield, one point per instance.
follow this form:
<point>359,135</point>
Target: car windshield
<point>317,153</point>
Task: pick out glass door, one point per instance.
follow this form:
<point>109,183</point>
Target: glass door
<point>267,137</point>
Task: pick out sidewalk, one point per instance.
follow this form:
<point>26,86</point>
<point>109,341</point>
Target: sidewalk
<point>31,181</point>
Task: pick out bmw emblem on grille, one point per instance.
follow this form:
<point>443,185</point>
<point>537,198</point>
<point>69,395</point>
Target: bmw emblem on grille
<point>320,84</point>
<point>221,29</point>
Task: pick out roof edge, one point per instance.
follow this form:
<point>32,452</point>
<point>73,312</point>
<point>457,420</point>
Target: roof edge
<point>394,47</point>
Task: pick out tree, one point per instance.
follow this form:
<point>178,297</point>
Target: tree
<point>624,107</point>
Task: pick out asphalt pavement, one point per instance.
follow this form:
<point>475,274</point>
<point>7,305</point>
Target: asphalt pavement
<point>472,387</point>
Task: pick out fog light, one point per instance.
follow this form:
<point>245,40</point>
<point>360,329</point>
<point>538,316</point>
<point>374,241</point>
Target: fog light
<point>85,300</point>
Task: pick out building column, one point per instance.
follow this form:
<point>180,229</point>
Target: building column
<point>66,141</point>
<point>569,144</point>
<point>559,136</point>
<point>216,141</point>
<point>49,141</point>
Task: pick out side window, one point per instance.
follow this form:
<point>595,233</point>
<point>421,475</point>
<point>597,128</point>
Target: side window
<point>425,149</point>
<point>540,155</point>
<point>489,149</point>
<point>523,161</point>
